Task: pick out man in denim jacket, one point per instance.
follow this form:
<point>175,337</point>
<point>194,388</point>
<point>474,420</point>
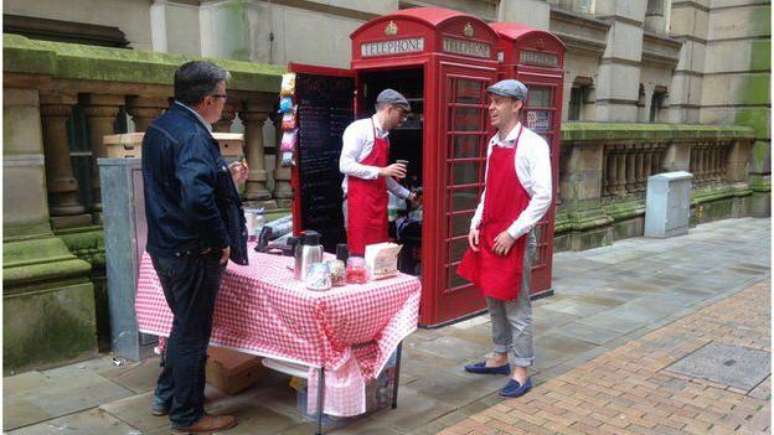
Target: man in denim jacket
<point>195,225</point>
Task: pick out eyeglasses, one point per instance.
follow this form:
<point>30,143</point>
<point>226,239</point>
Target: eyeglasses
<point>224,96</point>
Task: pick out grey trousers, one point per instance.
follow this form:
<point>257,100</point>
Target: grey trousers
<point>512,320</point>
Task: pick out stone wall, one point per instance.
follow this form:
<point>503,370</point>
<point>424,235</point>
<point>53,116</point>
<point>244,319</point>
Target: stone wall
<point>737,82</point>
<point>55,294</point>
<point>604,169</point>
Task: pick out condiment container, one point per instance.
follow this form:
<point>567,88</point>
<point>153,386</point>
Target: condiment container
<point>356,270</point>
<point>318,278</point>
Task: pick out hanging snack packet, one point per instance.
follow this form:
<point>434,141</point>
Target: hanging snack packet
<point>285,105</point>
<point>288,86</point>
<point>289,139</point>
<point>289,120</point>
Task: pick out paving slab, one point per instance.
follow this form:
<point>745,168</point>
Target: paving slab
<point>91,422</point>
<point>138,377</point>
<point>60,391</point>
<point>135,411</point>
<point>735,366</point>
<point>587,333</point>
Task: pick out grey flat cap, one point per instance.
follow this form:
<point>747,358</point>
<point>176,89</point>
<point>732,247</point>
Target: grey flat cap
<point>391,96</point>
<point>509,88</point>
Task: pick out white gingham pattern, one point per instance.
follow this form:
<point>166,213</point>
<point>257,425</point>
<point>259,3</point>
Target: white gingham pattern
<point>260,309</point>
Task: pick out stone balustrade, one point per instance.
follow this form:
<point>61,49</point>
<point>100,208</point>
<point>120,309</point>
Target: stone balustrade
<point>604,170</point>
<point>60,100</point>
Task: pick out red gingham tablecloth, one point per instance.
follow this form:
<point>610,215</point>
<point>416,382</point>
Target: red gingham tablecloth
<point>350,331</point>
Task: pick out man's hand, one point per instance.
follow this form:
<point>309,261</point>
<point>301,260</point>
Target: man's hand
<point>415,199</point>
<point>239,172</point>
<point>396,170</point>
<point>502,243</point>
<point>473,240</point>
<point>224,255</point>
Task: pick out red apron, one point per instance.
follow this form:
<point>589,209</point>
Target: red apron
<point>498,276</point>
<point>367,202</point>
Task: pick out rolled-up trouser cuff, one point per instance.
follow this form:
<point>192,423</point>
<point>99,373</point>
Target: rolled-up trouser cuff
<point>522,362</point>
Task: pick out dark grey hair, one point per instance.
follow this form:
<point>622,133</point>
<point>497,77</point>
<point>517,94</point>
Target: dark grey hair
<point>196,80</point>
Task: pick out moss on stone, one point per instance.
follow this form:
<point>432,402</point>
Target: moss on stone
<point>29,264</point>
<point>84,62</point>
<point>760,56</point>
<point>755,117</point>
<point>754,89</point>
<point>88,244</point>
<point>634,132</point>
<point>49,326</point>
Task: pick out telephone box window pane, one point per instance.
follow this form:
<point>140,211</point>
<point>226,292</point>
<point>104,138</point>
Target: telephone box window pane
<point>539,121</point>
<point>459,225</point>
<point>466,119</point>
<point>457,249</point>
<point>466,146</point>
<point>454,279</point>
<point>468,91</point>
<point>464,173</point>
<point>464,199</point>
<point>540,96</point>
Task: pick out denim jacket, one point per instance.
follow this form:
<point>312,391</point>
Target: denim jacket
<point>191,202</point>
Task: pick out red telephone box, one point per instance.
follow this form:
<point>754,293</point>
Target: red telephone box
<point>442,61</point>
<point>536,58</point>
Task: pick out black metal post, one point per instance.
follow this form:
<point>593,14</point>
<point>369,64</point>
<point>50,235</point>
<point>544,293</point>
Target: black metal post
<point>320,398</point>
<point>397,376</point>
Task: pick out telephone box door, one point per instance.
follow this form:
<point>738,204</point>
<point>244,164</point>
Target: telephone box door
<point>325,107</point>
<point>543,117</point>
<point>464,135</point>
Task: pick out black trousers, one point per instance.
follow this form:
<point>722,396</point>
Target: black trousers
<point>190,284</point>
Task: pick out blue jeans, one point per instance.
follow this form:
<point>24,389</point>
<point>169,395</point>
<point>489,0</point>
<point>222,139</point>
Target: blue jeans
<point>190,284</point>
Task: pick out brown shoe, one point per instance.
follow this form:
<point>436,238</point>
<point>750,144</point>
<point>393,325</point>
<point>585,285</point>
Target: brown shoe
<point>209,423</point>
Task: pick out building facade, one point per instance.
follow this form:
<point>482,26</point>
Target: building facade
<point>650,86</point>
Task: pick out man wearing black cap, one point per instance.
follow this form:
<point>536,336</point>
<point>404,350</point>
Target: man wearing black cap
<point>368,175</point>
<point>517,193</point>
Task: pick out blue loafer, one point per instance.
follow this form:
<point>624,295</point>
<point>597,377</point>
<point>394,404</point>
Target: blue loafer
<point>480,368</point>
<point>515,389</point>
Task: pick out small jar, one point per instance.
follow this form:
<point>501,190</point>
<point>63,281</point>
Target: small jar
<point>338,272</point>
<point>318,278</point>
<point>356,270</point>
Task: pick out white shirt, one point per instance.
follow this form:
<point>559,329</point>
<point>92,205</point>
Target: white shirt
<point>206,124</point>
<point>533,168</point>
<point>358,142</point>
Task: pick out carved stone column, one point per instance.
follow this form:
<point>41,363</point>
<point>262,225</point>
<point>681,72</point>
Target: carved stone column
<point>283,191</point>
<point>144,110</point>
<point>620,159</point>
<point>612,172</point>
<point>101,111</point>
<point>253,116</point>
<point>631,174</point>
<point>226,118</point>
<point>64,199</point>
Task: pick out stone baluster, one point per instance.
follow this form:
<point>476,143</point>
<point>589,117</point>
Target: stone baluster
<point>612,172</point>
<point>64,199</point>
<point>620,159</point>
<point>101,111</point>
<point>253,116</point>
<point>648,162</point>
<point>283,191</point>
<point>631,173</point>
<point>639,167</point>
<point>144,110</point>
<point>223,125</point>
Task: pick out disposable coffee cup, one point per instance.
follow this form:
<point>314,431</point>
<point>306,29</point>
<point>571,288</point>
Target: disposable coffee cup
<point>402,162</point>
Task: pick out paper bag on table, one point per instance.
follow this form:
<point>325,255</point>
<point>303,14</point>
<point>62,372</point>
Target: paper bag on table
<point>382,259</point>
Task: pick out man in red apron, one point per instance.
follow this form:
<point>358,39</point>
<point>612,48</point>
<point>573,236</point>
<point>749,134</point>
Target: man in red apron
<point>368,175</point>
<point>517,193</point>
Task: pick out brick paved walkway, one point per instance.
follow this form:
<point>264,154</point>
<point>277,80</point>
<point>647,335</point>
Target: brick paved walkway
<point>632,390</point>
